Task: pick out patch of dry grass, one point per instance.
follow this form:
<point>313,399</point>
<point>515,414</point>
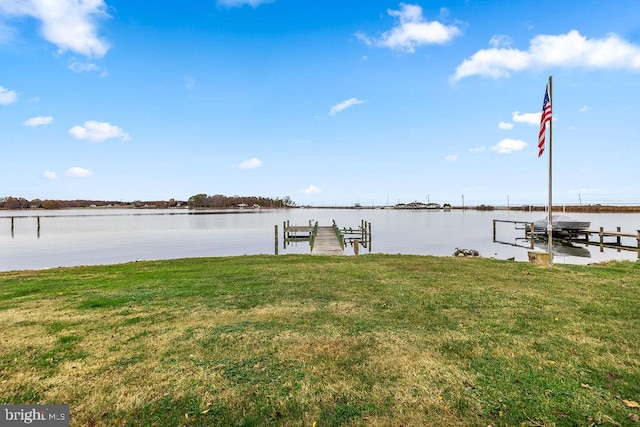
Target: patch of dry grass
<point>379,340</point>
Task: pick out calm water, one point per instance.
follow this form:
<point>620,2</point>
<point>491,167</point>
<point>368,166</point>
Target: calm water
<point>87,237</point>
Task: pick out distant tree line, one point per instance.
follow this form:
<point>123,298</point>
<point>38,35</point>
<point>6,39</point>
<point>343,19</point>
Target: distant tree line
<point>197,201</point>
<point>221,201</point>
<point>22,203</point>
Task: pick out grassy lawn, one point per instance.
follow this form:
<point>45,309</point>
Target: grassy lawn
<point>297,340</point>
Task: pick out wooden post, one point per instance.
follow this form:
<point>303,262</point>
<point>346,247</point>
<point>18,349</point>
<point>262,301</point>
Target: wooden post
<point>532,228</point>
<point>276,237</point>
<point>369,238</point>
<point>618,237</point>
<point>11,225</point>
<point>356,248</point>
<point>601,239</point>
<point>638,242</point>
<point>365,234</point>
<point>285,235</point>
<point>494,230</point>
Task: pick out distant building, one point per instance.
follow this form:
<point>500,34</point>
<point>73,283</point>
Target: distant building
<point>417,205</point>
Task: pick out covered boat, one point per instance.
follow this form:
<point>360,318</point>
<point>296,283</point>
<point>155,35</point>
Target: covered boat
<point>561,223</point>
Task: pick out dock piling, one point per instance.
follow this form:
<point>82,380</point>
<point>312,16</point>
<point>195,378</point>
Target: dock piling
<point>276,237</point>
<point>601,239</point>
<point>531,230</point>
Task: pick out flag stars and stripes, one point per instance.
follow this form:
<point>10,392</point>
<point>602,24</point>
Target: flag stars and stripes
<point>546,117</point>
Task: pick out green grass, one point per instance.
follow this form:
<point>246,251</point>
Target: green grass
<point>297,340</point>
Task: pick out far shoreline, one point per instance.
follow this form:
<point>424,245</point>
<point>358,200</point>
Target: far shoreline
<point>594,208</point>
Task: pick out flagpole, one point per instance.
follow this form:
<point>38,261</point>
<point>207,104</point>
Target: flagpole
<point>549,224</point>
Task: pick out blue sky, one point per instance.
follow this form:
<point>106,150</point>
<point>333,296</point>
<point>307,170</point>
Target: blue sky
<point>327,102</point>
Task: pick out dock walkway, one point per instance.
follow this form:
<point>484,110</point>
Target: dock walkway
<point>326,242</point>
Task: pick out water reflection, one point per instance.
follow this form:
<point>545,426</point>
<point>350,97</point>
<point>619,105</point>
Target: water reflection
<point>562,247</point>
<point>77,237</point>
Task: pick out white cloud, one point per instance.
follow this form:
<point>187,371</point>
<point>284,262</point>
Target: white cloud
<point>508,145</point>
<point>477,149</point>
<point>344,105</point>
<point>412,31</point>
<point>98,131</point>
<point>505,126</point>
<point>369,41</point>
<point>312,189</point>
<point>85,67</point>
<point>7,96</point>
<point>240,3</point>
<point>77,172</point>
<point>38,121</point>
<point>500,41</point>
<point>571,50</point>
<point>69,24</point>
<point>528,118</point>
<point>585,108</point>
<point>82,67</point>
<point>252,163</point>
<point>451,158</point>
<point>50,175</point>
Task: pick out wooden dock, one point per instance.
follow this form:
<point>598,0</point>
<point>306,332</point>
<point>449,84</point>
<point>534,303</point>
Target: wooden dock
<point>326,242</point>
<point>329,240</point>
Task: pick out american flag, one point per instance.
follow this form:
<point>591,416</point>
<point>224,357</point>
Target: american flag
<point>546,117</point>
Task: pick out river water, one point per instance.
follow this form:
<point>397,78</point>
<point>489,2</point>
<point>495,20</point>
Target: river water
<point>110,236</point>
